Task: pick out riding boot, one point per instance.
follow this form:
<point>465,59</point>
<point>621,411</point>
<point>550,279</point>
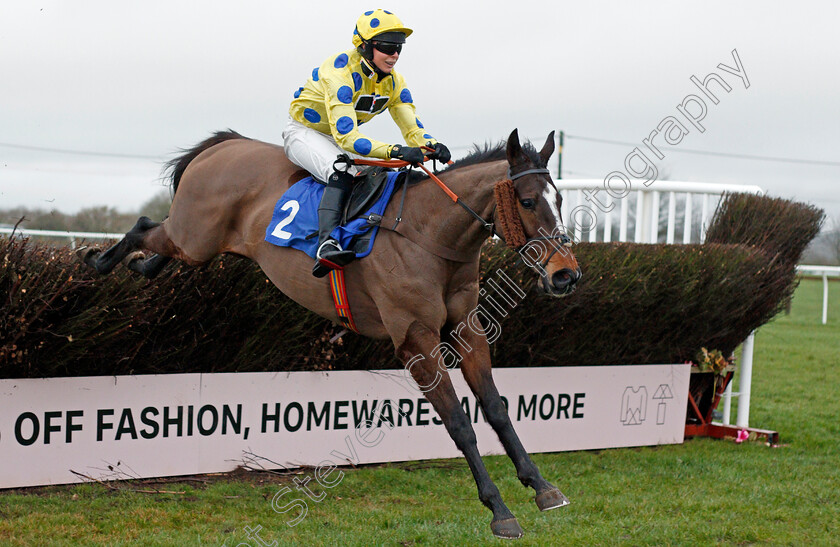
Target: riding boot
<point>330,255</point>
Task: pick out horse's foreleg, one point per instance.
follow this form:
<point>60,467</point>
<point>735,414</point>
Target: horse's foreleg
<point>415,354</point>
<point>476,368</point>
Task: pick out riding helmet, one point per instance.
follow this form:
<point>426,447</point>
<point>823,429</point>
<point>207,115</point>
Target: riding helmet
<point>381,24</point>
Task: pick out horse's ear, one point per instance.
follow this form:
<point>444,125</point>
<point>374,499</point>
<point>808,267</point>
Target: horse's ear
<point>514,149</point>
<point>547,149</point>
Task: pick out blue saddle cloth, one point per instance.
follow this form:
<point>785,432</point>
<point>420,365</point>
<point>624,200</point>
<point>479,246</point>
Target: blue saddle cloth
<point>296,216</point>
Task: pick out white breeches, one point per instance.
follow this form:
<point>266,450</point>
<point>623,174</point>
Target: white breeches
<point>312,150</point>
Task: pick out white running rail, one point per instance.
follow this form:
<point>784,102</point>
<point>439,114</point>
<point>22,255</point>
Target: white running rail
<point>71,236</point>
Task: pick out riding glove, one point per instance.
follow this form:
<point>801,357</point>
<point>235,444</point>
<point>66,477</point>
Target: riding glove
<point>441,153</point>
<point>410,154</point>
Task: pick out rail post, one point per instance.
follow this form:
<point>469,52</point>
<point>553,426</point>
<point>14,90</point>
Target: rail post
<point>745,385</point>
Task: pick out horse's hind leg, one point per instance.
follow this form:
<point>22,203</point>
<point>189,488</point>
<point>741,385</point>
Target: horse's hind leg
<point>105,261</point>
<point>148,267</point>
<point>477,373</point>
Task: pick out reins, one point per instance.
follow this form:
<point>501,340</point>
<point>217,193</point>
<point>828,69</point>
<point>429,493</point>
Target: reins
<point>504,195</point>
<point>442,185</point>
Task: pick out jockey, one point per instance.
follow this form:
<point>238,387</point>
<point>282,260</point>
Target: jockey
<point>347,90</point>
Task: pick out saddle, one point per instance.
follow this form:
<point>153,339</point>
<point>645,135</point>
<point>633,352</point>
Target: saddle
<point>367,188</point>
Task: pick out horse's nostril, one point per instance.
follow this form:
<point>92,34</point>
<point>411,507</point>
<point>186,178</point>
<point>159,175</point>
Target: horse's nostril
<point>563,279</point>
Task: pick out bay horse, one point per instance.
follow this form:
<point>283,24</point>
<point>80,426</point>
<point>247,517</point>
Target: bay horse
<point>413,288</point>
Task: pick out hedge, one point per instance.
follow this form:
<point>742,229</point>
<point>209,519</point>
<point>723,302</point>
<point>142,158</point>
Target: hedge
<point>635,304</point>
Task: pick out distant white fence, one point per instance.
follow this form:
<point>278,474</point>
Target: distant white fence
<point>642,204</point>
<point>825,272</point>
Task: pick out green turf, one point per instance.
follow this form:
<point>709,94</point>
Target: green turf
<point>699,493</point>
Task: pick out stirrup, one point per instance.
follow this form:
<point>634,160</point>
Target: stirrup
<point>330,256</point>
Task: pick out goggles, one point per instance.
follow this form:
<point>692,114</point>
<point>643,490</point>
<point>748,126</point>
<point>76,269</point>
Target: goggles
<point>387,48</point>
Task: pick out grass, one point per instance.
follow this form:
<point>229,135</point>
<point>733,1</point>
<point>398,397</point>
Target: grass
<point>698,493</point>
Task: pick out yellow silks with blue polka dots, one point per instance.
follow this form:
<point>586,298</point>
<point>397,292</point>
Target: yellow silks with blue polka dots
<point>344,92</point>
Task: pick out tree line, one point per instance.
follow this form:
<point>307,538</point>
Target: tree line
<point>97,218</point>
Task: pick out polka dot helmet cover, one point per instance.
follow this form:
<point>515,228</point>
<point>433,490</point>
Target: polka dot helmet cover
<point>375,22</point>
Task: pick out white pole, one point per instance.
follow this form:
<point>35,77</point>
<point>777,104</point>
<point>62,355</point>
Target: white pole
<point>825,299</point>
<point>743,419</point>
<point>641,217</point>
<point>654,219</point>
<point>727,404</point>
<point>608,227</point>
<point>672,217</point>
<point>622,227</point>
<point>687,225</point>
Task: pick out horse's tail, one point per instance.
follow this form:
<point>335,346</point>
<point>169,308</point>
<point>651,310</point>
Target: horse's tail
<point>177,166</point>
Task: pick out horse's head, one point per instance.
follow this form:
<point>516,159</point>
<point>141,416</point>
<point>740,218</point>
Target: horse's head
<point>542,240</point>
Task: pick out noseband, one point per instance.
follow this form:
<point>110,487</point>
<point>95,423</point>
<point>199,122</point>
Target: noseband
<point>511,221</point>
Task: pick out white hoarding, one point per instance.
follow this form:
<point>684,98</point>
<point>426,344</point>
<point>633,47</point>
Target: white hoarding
<point>180,424</point>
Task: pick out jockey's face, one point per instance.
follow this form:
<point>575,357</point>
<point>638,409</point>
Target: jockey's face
<point>383,61</point>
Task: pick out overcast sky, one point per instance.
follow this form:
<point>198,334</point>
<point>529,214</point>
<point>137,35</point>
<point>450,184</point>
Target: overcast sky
<point>147,78</point>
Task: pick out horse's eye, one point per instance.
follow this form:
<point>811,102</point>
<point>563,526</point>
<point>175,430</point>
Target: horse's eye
<point>528,203</point>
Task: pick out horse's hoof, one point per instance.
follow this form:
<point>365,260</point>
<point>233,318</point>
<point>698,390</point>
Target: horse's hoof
<point>551,499</point>
<point>86,253</point>
<point>131,257</point>
<point>506,529</point>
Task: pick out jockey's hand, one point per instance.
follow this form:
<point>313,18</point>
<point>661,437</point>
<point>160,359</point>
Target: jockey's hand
<point>441,153</point>
<point>408,153</point>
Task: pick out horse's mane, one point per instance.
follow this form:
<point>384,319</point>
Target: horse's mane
<point>484,154</point>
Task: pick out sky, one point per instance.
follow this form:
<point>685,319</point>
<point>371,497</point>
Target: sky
<point>133,82</point>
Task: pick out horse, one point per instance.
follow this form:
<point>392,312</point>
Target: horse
<point>414,288</point>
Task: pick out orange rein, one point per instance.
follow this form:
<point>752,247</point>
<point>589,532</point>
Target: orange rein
<point>400,163</point>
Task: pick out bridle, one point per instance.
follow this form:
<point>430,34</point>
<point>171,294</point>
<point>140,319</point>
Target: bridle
<point>565,240</point>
